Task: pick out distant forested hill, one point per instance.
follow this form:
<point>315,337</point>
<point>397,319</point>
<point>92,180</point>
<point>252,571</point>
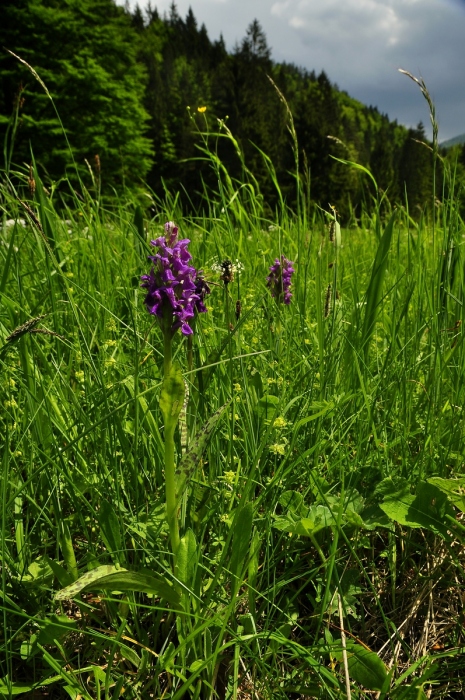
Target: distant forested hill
<point>132,88</point>
<point>455,141</point>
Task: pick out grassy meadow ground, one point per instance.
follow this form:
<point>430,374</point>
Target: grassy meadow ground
<point>323,525</point>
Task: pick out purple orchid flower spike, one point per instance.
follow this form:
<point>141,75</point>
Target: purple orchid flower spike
<point>279,280</point>
<point>175,289</point>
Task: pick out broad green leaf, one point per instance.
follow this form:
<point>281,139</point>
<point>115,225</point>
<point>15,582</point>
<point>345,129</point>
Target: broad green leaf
<point>292,501</point>
<point>191,458</point>
<point>267,405</point>
<point>318,485</point>
<point>86,579</point>
<point>137,581</point>
<point>110,578</point>
<point>373,517</point>
<point>454,488</point>
<point>242,531</point>
<point>199,663</point>
<point>365,667</point>
<point>172,397</point>
<point>186,558</point>
<point>318,517</point>
<point>67,550</point>
<point>393,489</point>
<point>285,523</point>
<point>427,508</point>
<point>353,518</point>
<point>40,572</point>
<point>28,648</point>
<point>129,654</point>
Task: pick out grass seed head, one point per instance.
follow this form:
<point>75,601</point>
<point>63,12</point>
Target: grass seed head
<point>328,300</point>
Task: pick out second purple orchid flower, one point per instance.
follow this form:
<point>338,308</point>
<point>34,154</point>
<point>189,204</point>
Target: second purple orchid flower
<point>280,279</point>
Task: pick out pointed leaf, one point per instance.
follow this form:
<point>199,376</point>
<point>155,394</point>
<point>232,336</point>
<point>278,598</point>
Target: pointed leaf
<point>318,517</point>
<point>454,488</point>
<point>110,578</point>
<point>365,667</point>
<point>8,689</point>
<point>373,517</point>
<point>292,501</point>
<point>428,509</point>
<point>62,576</point>
<point>267,406</point>
<point>86,579</point>
<point>186,558</point>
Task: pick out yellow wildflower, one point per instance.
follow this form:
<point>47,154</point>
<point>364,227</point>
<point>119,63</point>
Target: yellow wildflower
<point>279,422</point>
<point>278,449</point>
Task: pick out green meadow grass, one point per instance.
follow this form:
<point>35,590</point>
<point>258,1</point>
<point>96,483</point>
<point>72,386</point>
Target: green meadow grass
<point>322,527</point>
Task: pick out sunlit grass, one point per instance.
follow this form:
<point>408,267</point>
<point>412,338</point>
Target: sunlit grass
<point>335,407</point>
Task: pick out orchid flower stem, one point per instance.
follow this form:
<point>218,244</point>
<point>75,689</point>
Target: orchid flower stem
<point>167,351</point>
<point>170,467</point>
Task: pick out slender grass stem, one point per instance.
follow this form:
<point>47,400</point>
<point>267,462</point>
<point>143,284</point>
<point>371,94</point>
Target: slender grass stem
<point>170,465</point>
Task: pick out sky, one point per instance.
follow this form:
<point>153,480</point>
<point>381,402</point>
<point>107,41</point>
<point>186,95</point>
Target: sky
<point>360,44</point>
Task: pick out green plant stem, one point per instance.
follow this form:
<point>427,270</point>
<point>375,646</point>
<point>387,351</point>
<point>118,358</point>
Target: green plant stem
<point>170,467</point>
<point>167,351</point>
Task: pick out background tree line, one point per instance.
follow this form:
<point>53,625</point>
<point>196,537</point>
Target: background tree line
<point>122,84</point>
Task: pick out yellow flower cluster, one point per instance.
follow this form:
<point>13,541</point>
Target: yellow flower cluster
<point>279,423</point>
<point>229,477</point>
<point>278,449</point>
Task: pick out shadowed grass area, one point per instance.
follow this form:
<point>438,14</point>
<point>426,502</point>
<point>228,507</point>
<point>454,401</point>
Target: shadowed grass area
<point>321,525</point>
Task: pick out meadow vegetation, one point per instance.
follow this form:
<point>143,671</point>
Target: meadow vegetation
<point>315,447</point>
<point>326,498</point>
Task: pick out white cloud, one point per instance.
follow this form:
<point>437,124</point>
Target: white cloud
<point>280,8</point>
<point>361,43</point>
<point>297,22</point>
